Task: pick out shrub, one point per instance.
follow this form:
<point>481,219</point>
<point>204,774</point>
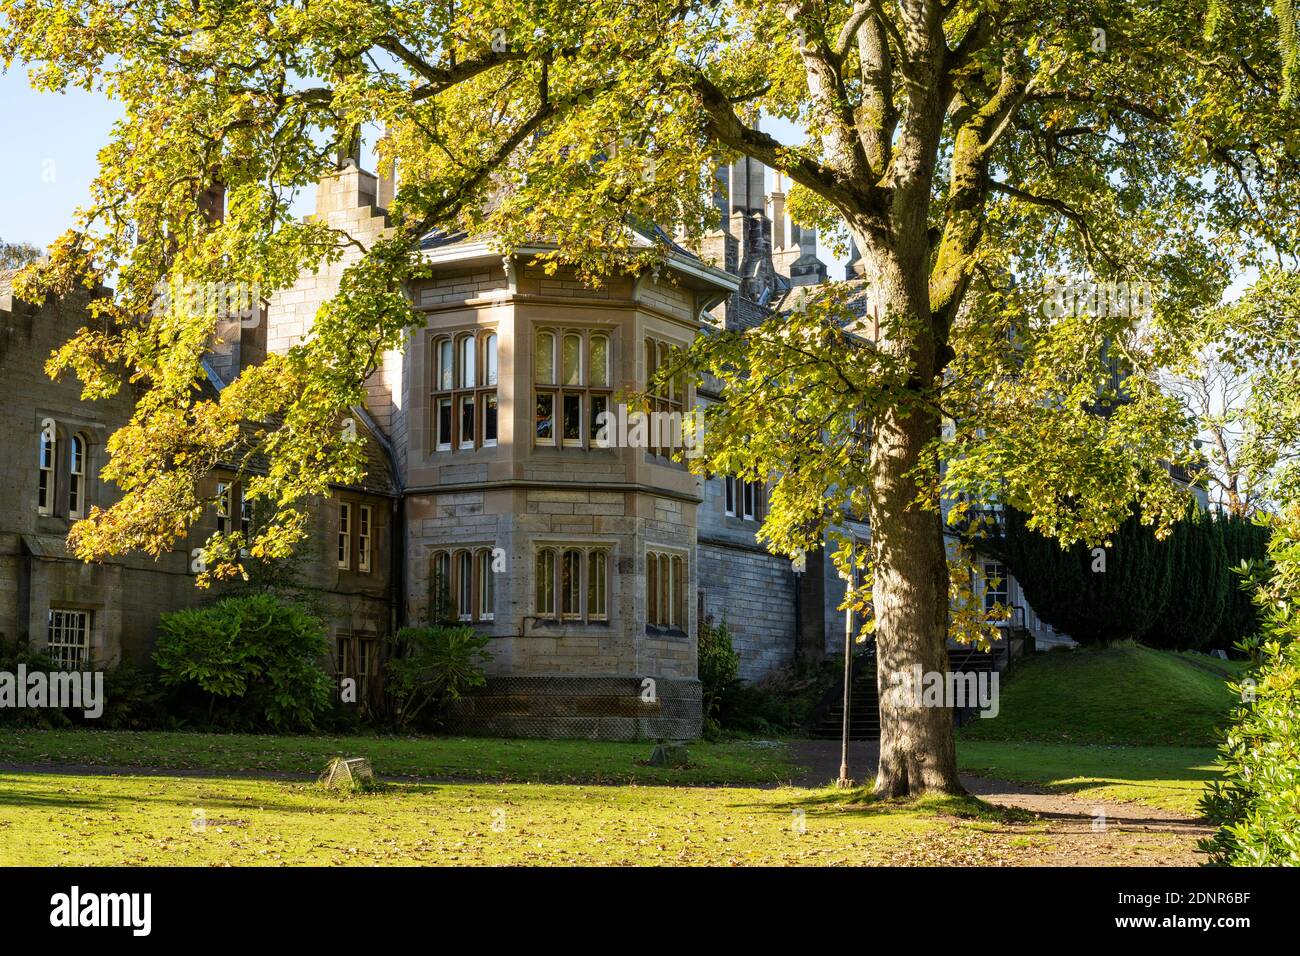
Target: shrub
<point>255,661</point>
<point>1198,563</point>
<point>1257,805</point>
<point>21,652</point>
<point>719,665</point>
<point>133,699</point>
<point>433,666</point>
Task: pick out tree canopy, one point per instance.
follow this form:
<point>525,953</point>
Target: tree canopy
<point>977,151</point>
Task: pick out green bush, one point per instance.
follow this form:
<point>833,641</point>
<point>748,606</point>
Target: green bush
<point>133,700</point>
<point>254,661</point>
<point>719,665</point>
<point>433,666</point>
<point>132,697</point>
<point>22,652</point>
<point>1257,805</point>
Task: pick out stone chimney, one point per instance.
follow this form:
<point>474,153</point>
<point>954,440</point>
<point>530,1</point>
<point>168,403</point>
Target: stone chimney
<point>776,203</point>
<point>347,199</point>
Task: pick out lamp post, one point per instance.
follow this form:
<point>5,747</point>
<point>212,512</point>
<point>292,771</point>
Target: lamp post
<point>844,782</point>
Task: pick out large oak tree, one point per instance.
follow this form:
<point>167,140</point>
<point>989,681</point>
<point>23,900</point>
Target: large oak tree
<point>974,150</point>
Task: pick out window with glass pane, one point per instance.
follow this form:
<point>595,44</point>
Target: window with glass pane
<point>490,359</point>
<point>440,586</point>
<point>583,386</point>
<point>345,534</point>
<point>995,585</point>
<point>545,583</point>
<point>599,364</point>
<point>545,359</point>
<point>45,492</point>
<point>444,424</point>
<point>446,365</point>
<point>486,586</point>
<point>668,397</point>
<point>490,419</point>
<point>464,586</point>
<point>467,349</point>
<point>363,538</point>
<point>597,568</point>
<point>571,584</point>
<point>546,418</point>
<point>467,421</point>
<point>665,589</point>
<point>571,369</point>
<point>68,638</point>
<point>224,509</point>
<point>465,394</point>
<point>76,475</point>
<point>677,591</point>
<point>572,420</point>
<point>599,407</point>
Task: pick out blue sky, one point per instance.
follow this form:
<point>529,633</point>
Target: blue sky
<point>47,160</point>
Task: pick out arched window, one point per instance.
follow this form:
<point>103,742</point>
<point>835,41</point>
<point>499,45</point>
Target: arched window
<point>76,476</point>
<point>571,360</point>
<point>665,590</point>
<point>467,363</point>
<point>579,577</point>
<point>440,586</point>
<point>45,492</point>
<point>570,400</point>
<point>446,365</point>
<point>464,400</point>
<point>464,586</point>
<point>486,586</point>
<point>597,592</point>
<point>599,362</point>
<point>545,583</point>
<point>571,584</point>
<point>490,359</point>
<point>668,403</point>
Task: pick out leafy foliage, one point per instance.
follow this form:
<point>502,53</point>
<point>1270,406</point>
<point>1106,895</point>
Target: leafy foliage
<point>433,666</point>
<point>975,151</point>
<point>1257,805</point>
<point>719,665</point>
<point>14,255</point>
<point>254,661</point>
<point>1118,603</point>
<point>1199,580</point>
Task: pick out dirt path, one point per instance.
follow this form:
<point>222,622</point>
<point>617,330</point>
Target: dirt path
<point>1068,831</point>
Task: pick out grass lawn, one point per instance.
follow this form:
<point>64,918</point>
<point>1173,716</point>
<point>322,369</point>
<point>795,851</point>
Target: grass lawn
<point>1168,777</point>
<point>472,758</point>
<point>76,820</point>
<point>1124,694</point>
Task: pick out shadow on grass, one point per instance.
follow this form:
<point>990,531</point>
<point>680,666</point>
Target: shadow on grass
<point>864,801</point>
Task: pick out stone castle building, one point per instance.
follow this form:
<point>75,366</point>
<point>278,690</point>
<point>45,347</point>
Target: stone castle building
<point>490,492</point>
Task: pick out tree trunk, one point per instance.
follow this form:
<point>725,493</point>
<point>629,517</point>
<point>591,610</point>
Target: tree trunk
<point>910,590</point>
<point>910,594</point>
